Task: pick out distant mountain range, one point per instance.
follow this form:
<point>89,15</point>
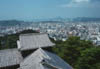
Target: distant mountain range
<point>12,23</point>
<point>78,19</point>
<point>86,19</point>
<point>52,20</point>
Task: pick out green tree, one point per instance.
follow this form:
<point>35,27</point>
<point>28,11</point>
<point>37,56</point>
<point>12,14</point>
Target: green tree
<point>90,59</point>
<point>70,50</point>
<point>11,41</point>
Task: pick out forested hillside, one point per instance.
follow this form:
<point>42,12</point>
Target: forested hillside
<point>81,54</point>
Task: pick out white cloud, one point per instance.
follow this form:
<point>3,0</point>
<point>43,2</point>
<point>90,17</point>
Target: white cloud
<point>81,3</point>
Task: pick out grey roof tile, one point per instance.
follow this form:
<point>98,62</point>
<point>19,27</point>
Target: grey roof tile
<point>41,59</point>
<point>10,57</point>
<point>33,41</point>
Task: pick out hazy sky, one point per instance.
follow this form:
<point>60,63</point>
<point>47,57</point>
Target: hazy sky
<point>30,9</point>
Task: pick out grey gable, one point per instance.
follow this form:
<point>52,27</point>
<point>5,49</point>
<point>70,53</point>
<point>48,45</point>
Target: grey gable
<point>33,41</point>
<point>10,57</point>
<point>42,59</point>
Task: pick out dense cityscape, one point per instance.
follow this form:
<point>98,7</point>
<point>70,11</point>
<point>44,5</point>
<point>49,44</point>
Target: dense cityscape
<point>58,30</point>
